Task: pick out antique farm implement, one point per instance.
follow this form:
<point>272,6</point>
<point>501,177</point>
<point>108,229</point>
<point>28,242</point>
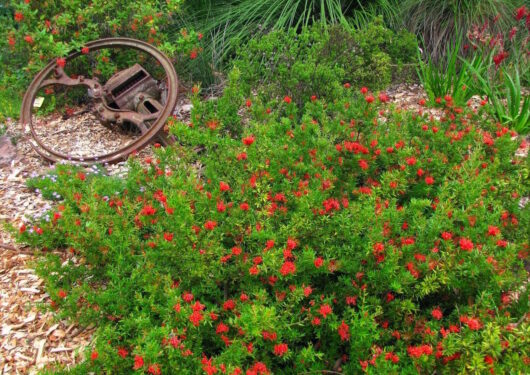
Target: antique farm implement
<point>130,87</point>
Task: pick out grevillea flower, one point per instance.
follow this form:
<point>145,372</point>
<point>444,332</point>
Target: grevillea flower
<point>138,362</point>
<point>369,98</point>
<point>318,262</point>
<point>288,268</point>
<point>210,225</point>
<point>122,352</point>
<point>344,331</point>
<point>383,97</point>
<point>429,180</point>
<point>94,355</point>
<point>325,310</point>
<point>364,90</point>
<point>447,236</point>
<point>247,141</point>
<point>153,369</point>
<point>229,305</point>
<point>148,210</point>
<point>61,62</point>
<point>287,99</point>
<point>196,317</point>
<point>280,349</point>
<point>418,351</point>
<point>437,313</point>
<point>223,186</point>
<point>19,16</point>
<point>465,244</point>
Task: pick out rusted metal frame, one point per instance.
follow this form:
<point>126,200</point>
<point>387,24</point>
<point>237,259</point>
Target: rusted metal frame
<point>148,133</point>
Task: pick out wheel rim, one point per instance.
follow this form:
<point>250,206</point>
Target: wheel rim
<point>123,152</point>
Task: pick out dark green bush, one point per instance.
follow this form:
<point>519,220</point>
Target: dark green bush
<point>318,61</point>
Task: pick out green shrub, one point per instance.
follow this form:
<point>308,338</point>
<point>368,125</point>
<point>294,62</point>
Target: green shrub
<point>318,61</point>
<point>341,235</point>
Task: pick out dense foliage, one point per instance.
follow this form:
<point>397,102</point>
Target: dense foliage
<point>341,234</point>
<point>318,60</point>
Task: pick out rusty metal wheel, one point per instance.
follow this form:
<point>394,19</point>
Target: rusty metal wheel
<point>133,96</point>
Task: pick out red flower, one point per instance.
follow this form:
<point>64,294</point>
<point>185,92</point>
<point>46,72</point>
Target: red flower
<point>364,90</point>
<point>318,262</point>
<point>153,369</point>
<point>28,39</point>
<point>148,210</point>
<point>383,98</point>
<point>85,51</point>
<point>429,180</point>
<point>223,186</point>
<point>138,362</point>
<point>280,349</point>
<point>344,331</point>
<point>488,359</point>
<point>447,236</point>
<point>363,164</point>
<point>287,100</point>
<point>61,294</point>
<point>221,328</point>
<point>520,13</point>
<point>437,313</point>
<point>168,237</point>
<point>187,297</point>
<point>288,268</point>
<point>411,161</point>
<point>19,16</point>
<point>210,225</point>
<point>493,231</point>
<point>247,141</point>
<point>499,58</point>
<point>94,355</point>
<point>325,310</point>
<point>418,351</point>
<point>473,324</point>
<point>61,62</point>
<point>465,244</point>
<point>22,229</point>
<point>369,98</point>
<point>122,352</point>
<point>248,103</point>
<point>229,305</point>
<point>244,206</point>
<point>193,54</point>
<point>196,317</point>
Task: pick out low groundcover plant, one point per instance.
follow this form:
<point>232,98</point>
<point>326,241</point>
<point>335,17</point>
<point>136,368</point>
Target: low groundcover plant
<point>343,236</point>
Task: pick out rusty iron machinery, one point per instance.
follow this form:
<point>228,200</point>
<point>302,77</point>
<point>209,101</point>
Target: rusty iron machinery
<point>131,96</point>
